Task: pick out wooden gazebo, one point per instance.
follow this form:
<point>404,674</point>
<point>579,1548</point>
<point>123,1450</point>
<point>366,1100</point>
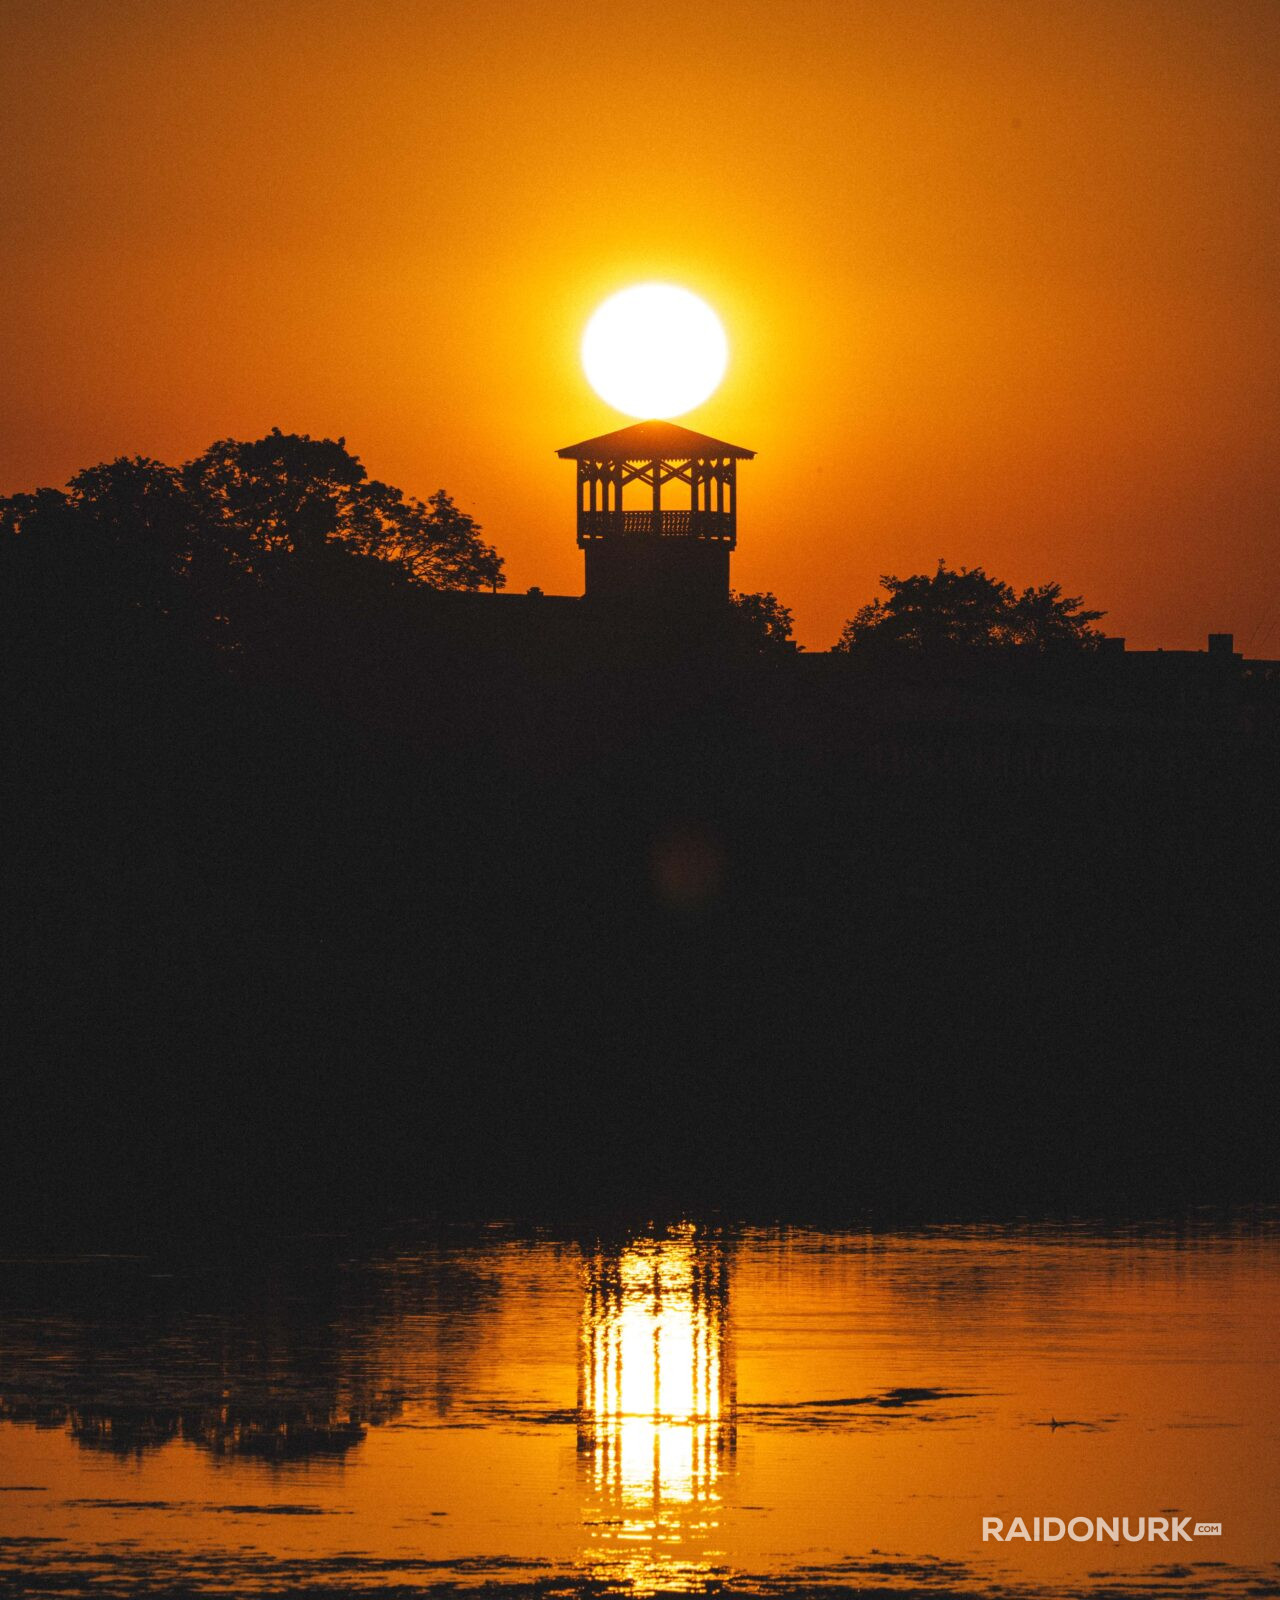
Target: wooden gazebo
<point>652,552</point>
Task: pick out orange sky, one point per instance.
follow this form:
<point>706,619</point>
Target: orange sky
<point>999,278</point>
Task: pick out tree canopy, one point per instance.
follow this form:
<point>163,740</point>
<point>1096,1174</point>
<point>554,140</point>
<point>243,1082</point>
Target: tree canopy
<point>276,562</point>
<point>930,613</point>
<point>242,504</point>
<point>763,622</point>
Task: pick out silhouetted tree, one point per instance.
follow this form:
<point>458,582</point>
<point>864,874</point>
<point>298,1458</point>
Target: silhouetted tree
<point>284,493</point>
<point>208,543</point>
<point>46,511</point>
<point>277,557</point>
<point>437,543</point>
<point>1044,616</point>
<point>136,501</point>
<point>764,623</point>
<point>966,609</point>
<point>109,555</point>
<point>290,493</point>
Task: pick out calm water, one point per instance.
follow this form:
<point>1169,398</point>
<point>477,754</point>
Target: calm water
<point>757,1409</point>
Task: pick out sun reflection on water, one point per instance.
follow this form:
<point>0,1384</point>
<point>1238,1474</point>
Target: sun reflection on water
<point>655,1409</point>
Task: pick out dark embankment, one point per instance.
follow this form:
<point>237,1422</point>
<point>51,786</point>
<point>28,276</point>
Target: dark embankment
<point>388,922</point>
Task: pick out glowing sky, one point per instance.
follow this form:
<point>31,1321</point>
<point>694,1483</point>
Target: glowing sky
<point>999,279</point>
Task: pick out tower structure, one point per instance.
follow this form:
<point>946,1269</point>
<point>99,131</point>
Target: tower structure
<point>647,553</point>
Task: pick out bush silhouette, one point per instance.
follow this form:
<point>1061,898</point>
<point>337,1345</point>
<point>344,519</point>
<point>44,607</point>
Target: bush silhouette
<point>948,610</point>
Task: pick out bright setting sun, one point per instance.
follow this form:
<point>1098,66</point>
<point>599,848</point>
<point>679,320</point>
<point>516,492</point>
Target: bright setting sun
<point>654,350</point>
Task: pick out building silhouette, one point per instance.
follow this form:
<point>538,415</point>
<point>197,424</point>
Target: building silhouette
<point>655,574</point>
<point>657,598</point>
<point>649,554</point>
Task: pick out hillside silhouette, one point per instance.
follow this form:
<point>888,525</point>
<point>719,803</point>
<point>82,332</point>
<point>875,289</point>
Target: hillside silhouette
<point>344,884</point>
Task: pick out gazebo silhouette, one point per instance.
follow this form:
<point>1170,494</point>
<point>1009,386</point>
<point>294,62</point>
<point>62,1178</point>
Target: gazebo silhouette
<point>656,555</point>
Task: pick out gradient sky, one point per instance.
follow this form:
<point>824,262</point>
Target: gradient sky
<point>1000,279</point>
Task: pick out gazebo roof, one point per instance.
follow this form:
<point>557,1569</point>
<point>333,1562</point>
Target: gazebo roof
<point>654,441</point>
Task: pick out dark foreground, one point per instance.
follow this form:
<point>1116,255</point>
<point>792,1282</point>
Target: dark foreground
<point>372,930</point>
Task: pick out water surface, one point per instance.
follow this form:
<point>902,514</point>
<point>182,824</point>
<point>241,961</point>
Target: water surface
<point>753,1409</point>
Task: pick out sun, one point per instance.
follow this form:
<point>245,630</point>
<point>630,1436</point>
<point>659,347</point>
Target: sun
<point>654,350</point>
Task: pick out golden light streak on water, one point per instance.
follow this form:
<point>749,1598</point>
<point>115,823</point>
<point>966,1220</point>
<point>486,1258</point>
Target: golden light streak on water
<point>655,1409</point>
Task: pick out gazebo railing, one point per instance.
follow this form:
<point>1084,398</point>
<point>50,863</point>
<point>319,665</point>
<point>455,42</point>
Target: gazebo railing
<point>714,525</point>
